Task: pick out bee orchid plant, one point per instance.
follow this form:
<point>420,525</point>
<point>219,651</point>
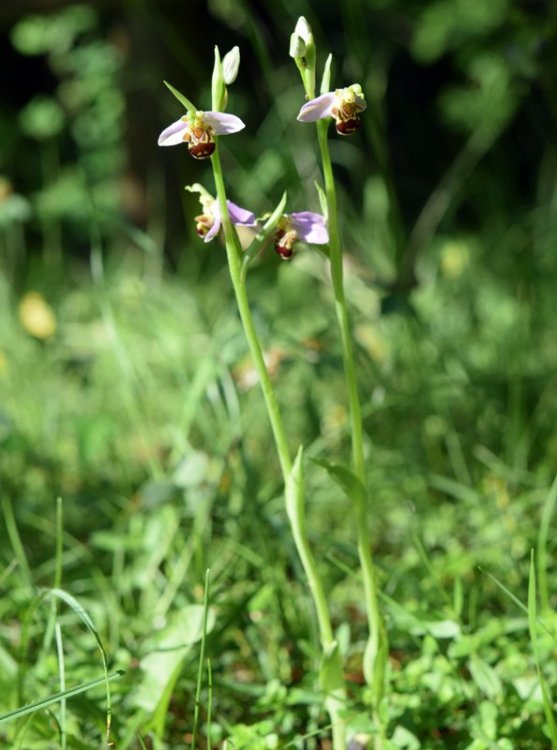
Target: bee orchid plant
<point>200,132</point>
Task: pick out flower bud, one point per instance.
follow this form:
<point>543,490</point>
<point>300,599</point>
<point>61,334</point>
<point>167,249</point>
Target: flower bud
<point>302,49</point>
<point>297,46</point>
<point>303,30</point>
<point>230,65</point>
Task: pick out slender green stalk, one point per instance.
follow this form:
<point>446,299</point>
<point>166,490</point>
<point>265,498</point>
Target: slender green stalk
<point>40,705</point>
<point>541,552</point>
<point>209,703</point>
<point>201,663</point>
<point>62,678</point>
<point>49,630</point>
<point>376,648</point>
<point>295,504</point>
<point>15,540</point>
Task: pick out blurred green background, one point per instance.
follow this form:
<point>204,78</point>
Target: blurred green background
<point>447,195</point>
<point>459,136</point>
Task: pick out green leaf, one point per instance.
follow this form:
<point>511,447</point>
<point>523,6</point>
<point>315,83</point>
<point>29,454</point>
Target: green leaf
<point>57,697</point>
<point>294,495</point>
<point>345,479</point>
<point>80,612</point>
<point>218,89</point>
<point>181,98</point>
<point>533,627</point>
<point>330,672</point>
<point>326,79</point>
<point>261,237</point>
<point>485,677</point>
<point>322,200</point>
<point>163,665</point>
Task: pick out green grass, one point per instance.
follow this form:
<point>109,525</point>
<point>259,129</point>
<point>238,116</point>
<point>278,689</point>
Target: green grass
<point>136,413</point>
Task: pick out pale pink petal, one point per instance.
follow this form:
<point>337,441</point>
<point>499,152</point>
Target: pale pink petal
<point>310,227</point>
<point>222,123</point>
<point>238,216</point>
<point>173,134</point>
<point>241,216</point>
<point>318,108</point>
<point>214,230</point>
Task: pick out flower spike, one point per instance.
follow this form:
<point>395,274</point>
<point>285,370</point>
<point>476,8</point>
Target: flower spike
<point>197,129</point>
<point>343,105</point>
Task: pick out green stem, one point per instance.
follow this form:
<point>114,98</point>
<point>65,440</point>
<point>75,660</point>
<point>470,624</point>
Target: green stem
<point>295,505</point>
<point>234,254</point>
<point>376,648</point>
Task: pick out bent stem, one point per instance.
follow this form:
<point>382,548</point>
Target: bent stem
<point>376,648</point>
<point>292,476</point>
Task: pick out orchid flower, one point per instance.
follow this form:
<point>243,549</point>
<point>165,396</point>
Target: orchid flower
<point>344,105</point>
<point>302,225</point>
<point>208,223</point>
<point>198,129</point>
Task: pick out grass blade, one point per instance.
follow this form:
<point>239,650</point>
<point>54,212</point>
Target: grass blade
<point>57,697</point>
<point>533,627</point>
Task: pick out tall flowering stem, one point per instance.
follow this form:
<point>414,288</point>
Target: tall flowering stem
<point>376,647</point>
<point>291,471</point>
<point>344,107</point>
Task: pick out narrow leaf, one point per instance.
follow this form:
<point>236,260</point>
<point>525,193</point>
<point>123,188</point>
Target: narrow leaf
<point>217,83</point>
<point>345,479</point>
<point>322,200</point>
<point>262,236</point>
<point>57,697</point>
<point>294,496</point>
<point>326,79</point>
<point>80,612</point>
<point>330,672</point>
<point>181,98</point>
<point>532,624</point>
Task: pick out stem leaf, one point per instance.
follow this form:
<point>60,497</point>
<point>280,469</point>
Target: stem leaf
<point>326,79</point>
<point>181,98</point>
<point>349,483</point>
<point>261,237</point>
<point>322,200</point>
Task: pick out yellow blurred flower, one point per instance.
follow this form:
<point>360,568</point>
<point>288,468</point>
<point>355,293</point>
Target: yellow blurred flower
<point>375,344</point>
<point>455,258</point>
<point>36,316</point>
<point>5,188</point>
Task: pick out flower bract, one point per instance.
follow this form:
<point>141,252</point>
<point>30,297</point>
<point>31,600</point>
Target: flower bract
<point>197,130</point>
<point>304,226</point>
<point>343,105</point>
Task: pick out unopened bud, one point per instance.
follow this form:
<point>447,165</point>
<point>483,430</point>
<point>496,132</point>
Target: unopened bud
<point>302,49</point>
<point>303,30</point>
<point>230,65</point>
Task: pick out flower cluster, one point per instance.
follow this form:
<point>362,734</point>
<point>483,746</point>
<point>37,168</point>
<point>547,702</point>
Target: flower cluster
<point>301,226</point>
<point>198,129</point>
